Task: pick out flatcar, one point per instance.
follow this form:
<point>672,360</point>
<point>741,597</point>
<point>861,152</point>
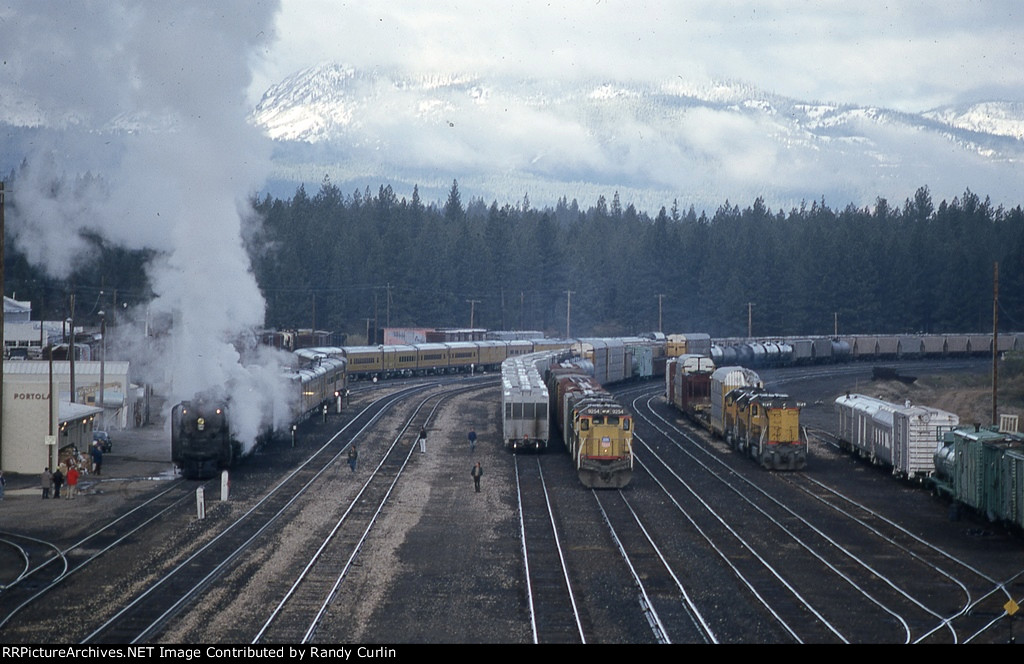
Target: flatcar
<point>902,437</point>
<point>597,430</point>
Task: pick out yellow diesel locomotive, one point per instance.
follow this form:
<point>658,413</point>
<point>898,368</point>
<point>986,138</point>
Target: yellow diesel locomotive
<point>765,426</point>
<point>597,430</point>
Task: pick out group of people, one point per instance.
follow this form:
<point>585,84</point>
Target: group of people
<point>67,474</point>
<point>64,477</point>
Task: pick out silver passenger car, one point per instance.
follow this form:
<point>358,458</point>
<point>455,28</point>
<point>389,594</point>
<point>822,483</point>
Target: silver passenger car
<point>524,400</point>
<point>903,437</point>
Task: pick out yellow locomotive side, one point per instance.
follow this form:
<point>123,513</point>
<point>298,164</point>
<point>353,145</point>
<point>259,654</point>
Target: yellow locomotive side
<point>765,426</point>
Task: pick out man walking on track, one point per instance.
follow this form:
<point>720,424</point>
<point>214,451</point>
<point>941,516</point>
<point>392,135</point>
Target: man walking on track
<point>472,441</point>
<point>423,439</point>
<point>477,473</point>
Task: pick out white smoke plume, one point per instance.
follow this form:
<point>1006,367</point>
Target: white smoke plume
<point>155,153</point>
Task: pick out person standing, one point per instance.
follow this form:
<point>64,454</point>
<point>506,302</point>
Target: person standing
<point>423,440</point>
<point>353,457</point>
<point>472,441</point>
<point>46,479</point>
<point>72,487</point>
<point>97,457</point>
<point>477,473</point>
<point>58,482</point>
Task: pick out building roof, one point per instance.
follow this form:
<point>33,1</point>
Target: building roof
<point>68,411</point>
<point>12,306</point>
<point>63,368</point>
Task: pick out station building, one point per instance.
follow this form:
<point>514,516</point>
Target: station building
<point>29,440</point>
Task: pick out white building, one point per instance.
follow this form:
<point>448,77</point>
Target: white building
<point>26,339</point>
<point>16,311</point>
<point>27,411</point>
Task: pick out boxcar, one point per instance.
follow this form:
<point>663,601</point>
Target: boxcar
<point>902,437</point>
<point>983,468</point>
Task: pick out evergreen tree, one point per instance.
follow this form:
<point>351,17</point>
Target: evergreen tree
<point>453,208</point>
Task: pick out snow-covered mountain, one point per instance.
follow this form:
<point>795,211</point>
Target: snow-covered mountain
<point>698,143</point>
<point>1001,118</point>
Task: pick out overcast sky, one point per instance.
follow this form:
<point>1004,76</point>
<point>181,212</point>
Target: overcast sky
<point>905,54</point>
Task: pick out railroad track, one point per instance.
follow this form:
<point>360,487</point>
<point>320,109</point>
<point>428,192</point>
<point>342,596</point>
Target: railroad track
<point>554,616</point>
<point>304,606</point>
<point>666,602</point>
<point>145,615</point>
<point>49,567</point>
<point>838,560</point>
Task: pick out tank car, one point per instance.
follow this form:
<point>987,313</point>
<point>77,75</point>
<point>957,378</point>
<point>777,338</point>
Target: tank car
<point>597,430</point>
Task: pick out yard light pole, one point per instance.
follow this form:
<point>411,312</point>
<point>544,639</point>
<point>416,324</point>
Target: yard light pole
<point>103,367</point>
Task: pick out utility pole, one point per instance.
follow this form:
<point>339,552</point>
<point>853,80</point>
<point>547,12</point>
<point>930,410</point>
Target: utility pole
<point>568,312</point>
<point>3,347</point>
<point>103,364</point>
<point>995,345</point>
<point>472,309</point>
<point>750,320</point>
<point>71,346</point>
<point>661,296</point>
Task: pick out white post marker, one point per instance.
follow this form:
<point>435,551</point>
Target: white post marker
<point>225,485</point>
<point>200,504</point>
